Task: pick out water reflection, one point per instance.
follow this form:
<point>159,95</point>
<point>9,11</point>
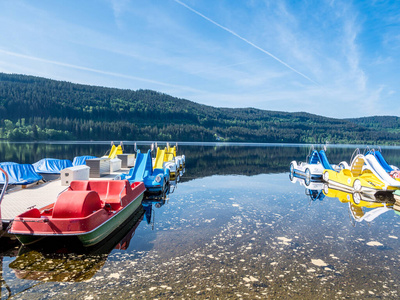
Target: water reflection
<point>7,250</point>
<point>313,187</point>
<point>72,263</point>
<point>149,211</point>
<point>362,206</point>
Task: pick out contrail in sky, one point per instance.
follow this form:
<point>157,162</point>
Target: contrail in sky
<point>245,40</point>
<point>94,70</point>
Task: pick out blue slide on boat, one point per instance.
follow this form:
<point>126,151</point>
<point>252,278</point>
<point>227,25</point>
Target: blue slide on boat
<point>320,157</point>
<point>324,160</point>
<point>154,181</point>
<point>314,157</point>
<point>379,157</point>
<point>137,173</point>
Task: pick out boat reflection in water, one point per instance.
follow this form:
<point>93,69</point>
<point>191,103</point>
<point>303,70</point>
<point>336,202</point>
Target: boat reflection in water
<point>313,187</point>
<point>362,206</point>
<point>158,202</point>
<point>6,250</point>
<point>73,263</point>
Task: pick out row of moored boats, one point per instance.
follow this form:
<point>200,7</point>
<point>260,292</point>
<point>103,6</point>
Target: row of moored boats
<point>88,211</point>
<point>366,173</point>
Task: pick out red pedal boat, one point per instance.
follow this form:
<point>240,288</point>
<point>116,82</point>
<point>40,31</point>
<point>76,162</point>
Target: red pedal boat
<point>89,210</point>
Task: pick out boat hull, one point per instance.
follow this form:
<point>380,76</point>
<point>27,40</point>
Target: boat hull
<point>79,214</point>
<point>345,180</point>
<point>313,171</point>
<point>89,238</point>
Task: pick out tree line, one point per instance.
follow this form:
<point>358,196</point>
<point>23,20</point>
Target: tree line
<point>34,108</point>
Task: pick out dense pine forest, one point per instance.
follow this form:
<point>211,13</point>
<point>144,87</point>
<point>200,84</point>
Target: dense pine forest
<point>34,108</point>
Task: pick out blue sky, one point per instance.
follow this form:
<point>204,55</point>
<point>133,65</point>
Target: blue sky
<point>333,58</point>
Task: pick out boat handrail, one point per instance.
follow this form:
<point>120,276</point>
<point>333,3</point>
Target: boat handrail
<point>3,191</point>
<point>355,153</point>
<point>367,149</point>
<point>309,153</point>
<point>63,191</point>
<point>120,193</point>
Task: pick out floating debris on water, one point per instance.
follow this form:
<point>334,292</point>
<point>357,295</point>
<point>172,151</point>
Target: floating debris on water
<point>374,244</point>
<point>319,262</point>
<point>284,240</point>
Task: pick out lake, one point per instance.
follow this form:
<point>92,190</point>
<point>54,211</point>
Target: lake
<point>234,227</point>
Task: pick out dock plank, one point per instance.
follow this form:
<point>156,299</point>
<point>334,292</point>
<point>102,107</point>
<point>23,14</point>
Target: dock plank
<point>17,202</point>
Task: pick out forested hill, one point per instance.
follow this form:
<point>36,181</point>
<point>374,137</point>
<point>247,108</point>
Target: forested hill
<point>386,123</point>
<point>34,108</point>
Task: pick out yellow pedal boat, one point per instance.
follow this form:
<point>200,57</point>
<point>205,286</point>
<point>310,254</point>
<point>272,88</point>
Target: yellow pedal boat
<point>364,175</point>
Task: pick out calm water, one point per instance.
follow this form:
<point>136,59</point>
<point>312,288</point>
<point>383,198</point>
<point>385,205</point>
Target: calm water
<point>235,227</point>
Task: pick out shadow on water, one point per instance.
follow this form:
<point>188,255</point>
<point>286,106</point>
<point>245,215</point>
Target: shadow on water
<point>71,263</point>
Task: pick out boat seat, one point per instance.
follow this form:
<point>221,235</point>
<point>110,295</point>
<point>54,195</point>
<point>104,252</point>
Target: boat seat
<point>80,185</point>
<point>100,186</point>
<point>116,188</point>
<point>109,191</point>
<point>347,172</point>
<point>76,204</point>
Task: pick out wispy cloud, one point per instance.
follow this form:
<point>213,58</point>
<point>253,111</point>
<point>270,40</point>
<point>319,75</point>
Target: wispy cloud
<point>245,40</point>
<point>119,7</point>
<point>42,60</point>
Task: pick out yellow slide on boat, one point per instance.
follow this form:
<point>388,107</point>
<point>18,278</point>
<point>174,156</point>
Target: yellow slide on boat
<point>170,154</point>
<point>159,162</point>
<point>115,151</point>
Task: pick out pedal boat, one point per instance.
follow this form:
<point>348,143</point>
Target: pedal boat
<point>165,160</point>
<point>392,170</point>
<point>313,168</point>
<point>307,170</point>
<point>178,159</point>
<point>364,175</point>
<point>156,181</point>
<point>88,211</point>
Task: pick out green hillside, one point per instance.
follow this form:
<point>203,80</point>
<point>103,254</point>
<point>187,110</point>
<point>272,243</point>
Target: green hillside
<point>34,108</point>
<point>389,124</point>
